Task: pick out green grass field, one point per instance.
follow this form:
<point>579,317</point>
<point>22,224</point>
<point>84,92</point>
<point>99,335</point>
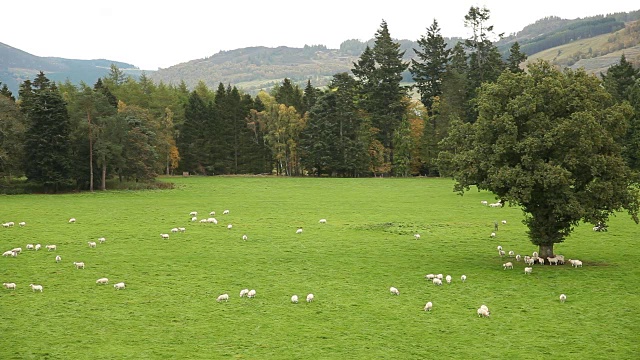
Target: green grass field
<point>169,310</point>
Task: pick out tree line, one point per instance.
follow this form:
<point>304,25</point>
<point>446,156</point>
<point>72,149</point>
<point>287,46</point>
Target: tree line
<point>364,123</point>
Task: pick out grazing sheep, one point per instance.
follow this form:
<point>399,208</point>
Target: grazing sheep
<point>194,219</point>
<point>299,231</point>
<point>552,260</point>
<point>493,235</point>
<point>310,298</point>
<point>484,202</point>
<point>439,276</point>
<point>251,293</point>
<point>428,306</point>
<point>575,263</point>
<point>563,298</point>
<point>323,221</point>
<point>8,253</point>
<point>17,250</point>
<point>119,286</point>
<point>193,213</point>
<point>222,297</point>
<point>540,260</point>
<point>448,278</point>
<point>29,247</point>
<point>22,223</point>
<point>37,247</point>
<point>72,220</point>
<point>463,278</point>
<point>417,236</point>
<point>529,260</point>
<point>213,213</point>
<point>394,291</point>
<point>511,253</point>
<point>36,287</point>
<point>294,299</point>
<point>560,259</point>
<point>79,265</point>
<point>437,281</point>
<point>483,306</point>
<point>181,229</point>
<point>164,236</point>
<point>504,222</point>
<point>225,212</point>
<point>58,258</point>
<point>212,220</point>
<point>92,244</point>
<point>102,240</point>
<point>174,230</point>
<point>508,265</point>
<point>244,292</point>
<point>430,276</point>
<point>244,237</point>
<point>495,205</point>
<point>11,286</point>
<point>499,248</point>
<point>229,226</point>
<point>482,312</point>
<point>501,253</point>
<point>535,254</point>
<point>102,281</point>
<point>518,257</point>
<point>528,270</point>
<point>51,247</point>
<point>5,225</point>
<point>202,221</point>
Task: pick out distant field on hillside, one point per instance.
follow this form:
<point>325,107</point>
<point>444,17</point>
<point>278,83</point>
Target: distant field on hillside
<point>169,309</point>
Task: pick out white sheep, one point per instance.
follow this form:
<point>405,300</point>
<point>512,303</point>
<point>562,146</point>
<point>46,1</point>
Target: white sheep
<point>484,202</point>
<point>79,265</point>
<point>560,259</point>
<point>223,297</point>
<point>37,247</point>
<point>244,292</point>
<point>437,281</point>
<point>501,253</point>
<point>518,257</point>
<point>563,298</point>
<point>310,298</point>
<point>181,229</point>
<point>102,240</point>
<point>499,247</point>
<point>22,223</point>
<point>225,212</point>
<point>244,237</point>
<point>229,226</point>
<point>194,219</point>
<point>495,205</point>
<point>102,281</point>
<point>439,276</point>
<point>294,299</point>
<point>203,221</point>
<point>576,263</point>
<point>213,213</point>
<point>29,247</point>
<point>51,247</point>
<point>251,293</point>
<point>323,221</point>
<point>164,236</point>
<point>119,286</point>
<point>36,287</point>
<point>11,286</point>
<point>174,230</point>
<point>463,278</point>
<point>504,222</point>
<point>394,291</point>
<point>92,244</point>
<point>552,260</point>
<point>534,254</point>
<point>484,307</point>
<point>493,235</point>
<point>193,213</point>
<point>17,250</point>
<point>299,231</point>
<point>528,270</point>
<point>8,253</point>
<point>72,220</point>
<point>529,260</point>
<point>483,312</point>
<point>58,258</point>
<point>448,278</point>
<point>508,265</point>
<point>511,253</point>
<point>428,306</point>
<point>212,220</point>
<point>6,225</point>
<point>417,236</point>
<point>429,276</point>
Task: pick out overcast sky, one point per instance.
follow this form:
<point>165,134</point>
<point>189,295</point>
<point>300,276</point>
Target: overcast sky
<point>152,34</point>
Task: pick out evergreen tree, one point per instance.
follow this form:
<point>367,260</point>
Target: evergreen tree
<point>620,79</point>
<point>516,57</point>
<point>429,69</point>
<point>192,142</point>
<point>289,95</point>
<point>485,62</point>
<point>309,97</point>
<point>4,91</point>
<point>12,133</point>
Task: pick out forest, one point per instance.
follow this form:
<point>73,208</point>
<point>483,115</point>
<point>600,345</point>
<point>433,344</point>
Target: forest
<point>61,136</point>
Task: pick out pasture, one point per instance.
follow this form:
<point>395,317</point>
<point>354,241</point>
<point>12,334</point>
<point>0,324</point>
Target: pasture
<point>168,309</point>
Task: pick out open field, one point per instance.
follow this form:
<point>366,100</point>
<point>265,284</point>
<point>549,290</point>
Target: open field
<point>169,310</point>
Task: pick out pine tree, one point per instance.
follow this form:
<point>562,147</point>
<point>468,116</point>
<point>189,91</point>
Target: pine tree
<point>516,57</point>
<point>485,62</point>
<point>192,142</point>
<point>4,91</point>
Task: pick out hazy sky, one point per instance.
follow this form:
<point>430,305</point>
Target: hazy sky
<point>152,34</point>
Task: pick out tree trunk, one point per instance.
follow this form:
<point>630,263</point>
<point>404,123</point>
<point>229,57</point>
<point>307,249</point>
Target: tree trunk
<point>103,185</point>
<point>545,251</point>
<point>90,153</point>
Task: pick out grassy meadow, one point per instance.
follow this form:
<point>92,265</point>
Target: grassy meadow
<point>169,310</point>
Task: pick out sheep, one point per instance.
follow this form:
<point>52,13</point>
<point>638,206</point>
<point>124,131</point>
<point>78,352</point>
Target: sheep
<point>563,298</point>
<point>429,276</point>
<point>484,202</point>
<point>294,299</point>
<point>508,265</point>
<point>540,260</point>
<point>518,257</point>
<point>22,223</point>
<point>437,281</point>
<point>223,297</point>
<point>244,237</point>
<point>51,247</point>
<point>528,270</point>
<point>213,213</point>
<point>416,236</point>
<point>439,276</point>
<point>174,230</point>
<point>37,247</point>
<point>194,219</point>
<point>92,244</point>
<point>181,229</point>
<point>504,222</point>
<point>229,226</point>
<point>552,260</point>
<point>29,247</point>
<point>8,253</point>
<point>193,213</point>
<point>102,240</point>
<point>72,220</point>
<point>499,248</point>
<point>310,298</point>
<point>575,263</point>
<point>164,236</point>
<point>17,250</point>
<point>529,261</point>
<point>560,259</point>
<point>394,291</point>
<point>203,221</point>
<point>501,253</point>
<point>244,292</point>
<point>511,253</point>
<point>463,278</point>
<point>251,293</point>
<point>212,220</point>
<point>495,205</point>
<point>428,306</point>
<point>534,254</point>
<point>493,235</point>
<point>11,286</point>
<point>323,221</point>
<point>11,223</point>
<point>225,212</point>
<point>119,286</point>
<point>448,278</point>
<point>58,258</point>
<point>79,265</point>
<point>5,225</point>
<point>299,231</point>
<point>102,281</point>
<point>36,287</point>
<point>483,312</point>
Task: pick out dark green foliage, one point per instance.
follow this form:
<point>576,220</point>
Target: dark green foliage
<point>4,91</point>
<point>516,57</point>
<point>289,94</point>
<point>12,132</point>
<point>192,141</point>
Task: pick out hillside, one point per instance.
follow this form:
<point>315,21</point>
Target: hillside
<point>17,66</point>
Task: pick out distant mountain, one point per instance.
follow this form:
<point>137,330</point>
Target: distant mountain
<point>17,66</point>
